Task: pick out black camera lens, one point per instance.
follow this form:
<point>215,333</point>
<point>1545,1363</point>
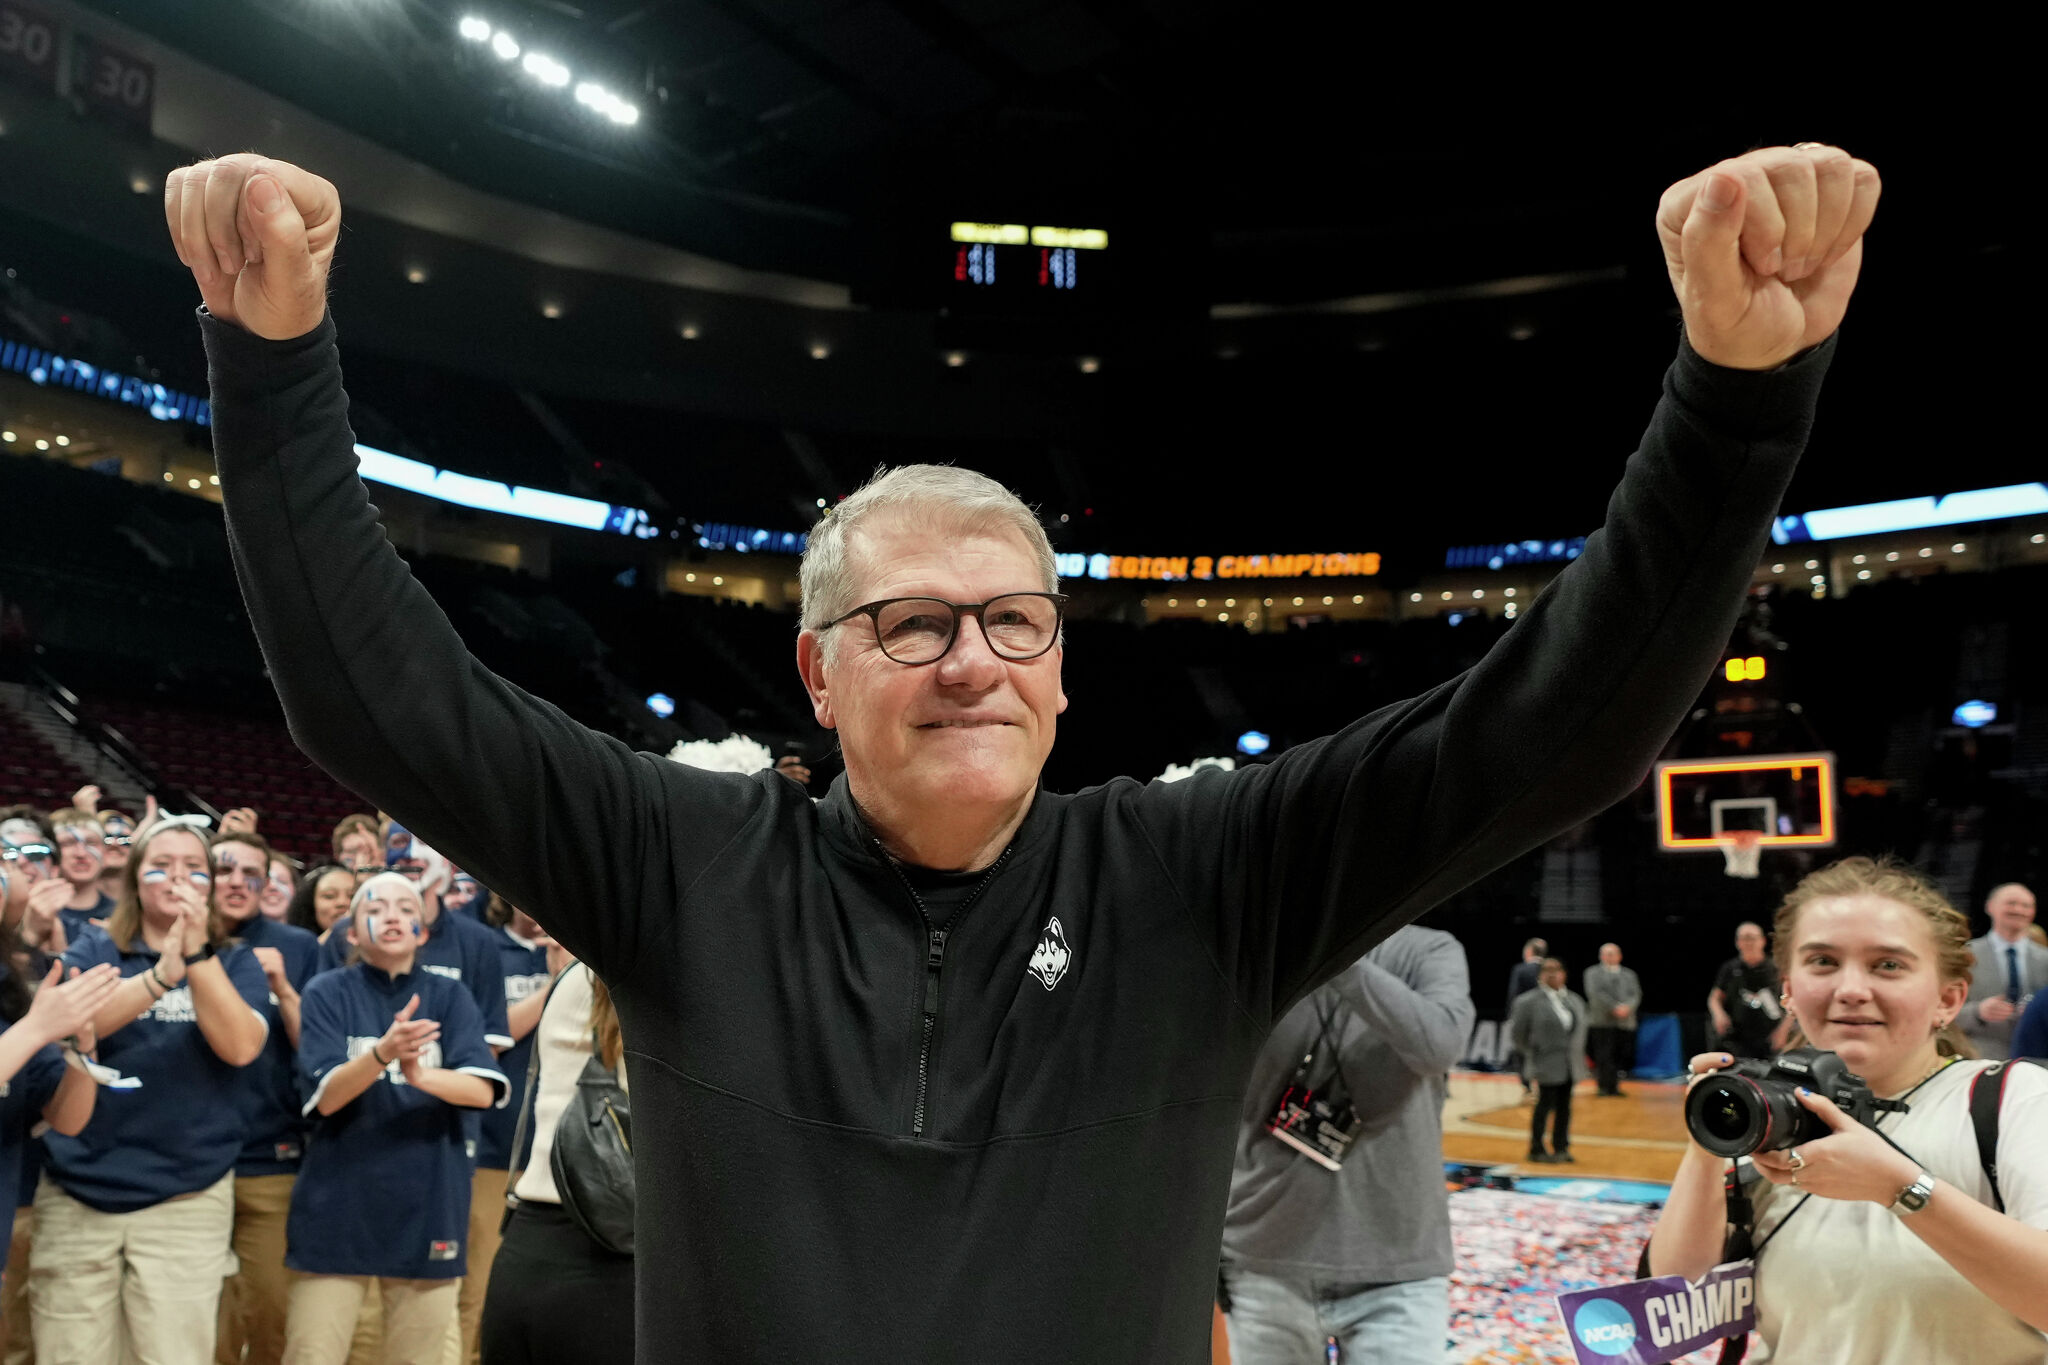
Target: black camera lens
<point>1734,1116</point>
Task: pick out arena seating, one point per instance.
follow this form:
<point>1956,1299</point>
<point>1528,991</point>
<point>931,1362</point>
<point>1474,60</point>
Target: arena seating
<point>237,760</point>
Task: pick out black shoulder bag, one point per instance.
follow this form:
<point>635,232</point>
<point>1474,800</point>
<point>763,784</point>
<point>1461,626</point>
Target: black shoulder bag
<point>592,1156</point>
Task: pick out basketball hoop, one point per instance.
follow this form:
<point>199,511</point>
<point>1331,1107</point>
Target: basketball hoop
<point>1744,850</point>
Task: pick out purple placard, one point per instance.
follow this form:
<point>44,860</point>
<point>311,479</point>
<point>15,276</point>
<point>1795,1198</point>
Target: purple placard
<point>1647,1322</point>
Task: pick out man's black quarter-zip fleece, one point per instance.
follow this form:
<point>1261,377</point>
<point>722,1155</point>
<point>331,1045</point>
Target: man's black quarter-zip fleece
<point>1081,1034</point>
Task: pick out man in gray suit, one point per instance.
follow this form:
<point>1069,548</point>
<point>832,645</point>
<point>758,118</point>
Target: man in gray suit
<point>1613,999</point>
<point>2010,968</point>
<point>1549,1030</point>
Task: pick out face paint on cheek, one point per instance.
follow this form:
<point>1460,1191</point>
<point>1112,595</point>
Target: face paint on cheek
<point>152,875</point>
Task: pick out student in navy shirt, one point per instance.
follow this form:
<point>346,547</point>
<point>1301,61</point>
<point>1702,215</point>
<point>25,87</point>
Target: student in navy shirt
<point>321,902</point>
<point>29,847</point>
<point>117,836</point>
<point>455,946</point>
<point>35,1083</point>
<point>523,953</point>
<point>134,1214</point>
<point>391,1057</point>
<point>254,1302</point>
<point>81,856</point>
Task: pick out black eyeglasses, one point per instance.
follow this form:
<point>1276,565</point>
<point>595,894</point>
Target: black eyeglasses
<point>919,630</point>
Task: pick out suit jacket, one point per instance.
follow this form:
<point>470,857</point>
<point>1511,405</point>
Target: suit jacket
<point>1605,990</point>
<point>1995,1040</point>
<point>1521,981</point>
<point>1551,1053</point>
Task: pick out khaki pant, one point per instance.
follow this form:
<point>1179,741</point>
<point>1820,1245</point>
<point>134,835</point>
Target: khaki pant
<point>254,1302</point>
<point>486,1213</point>
<point>155,1273</point>
<point>15,1337</point>
<point>419,1319</point>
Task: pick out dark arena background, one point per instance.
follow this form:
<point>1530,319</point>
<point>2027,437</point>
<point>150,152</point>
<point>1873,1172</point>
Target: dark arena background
<point>1317,353</point>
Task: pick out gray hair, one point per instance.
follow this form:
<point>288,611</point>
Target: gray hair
<point>933,497</point>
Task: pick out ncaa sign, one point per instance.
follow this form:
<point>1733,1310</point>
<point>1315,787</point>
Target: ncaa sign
<point>1604,1327</point>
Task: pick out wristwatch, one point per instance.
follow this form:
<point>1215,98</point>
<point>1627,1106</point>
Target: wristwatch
<point>1914,1197</point>
<point>206,950</point>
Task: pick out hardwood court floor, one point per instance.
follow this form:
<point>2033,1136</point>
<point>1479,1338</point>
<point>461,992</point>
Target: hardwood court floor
<point>1638,1136</point>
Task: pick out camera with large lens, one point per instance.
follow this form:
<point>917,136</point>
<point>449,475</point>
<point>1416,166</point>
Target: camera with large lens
<point>1754,1106</point>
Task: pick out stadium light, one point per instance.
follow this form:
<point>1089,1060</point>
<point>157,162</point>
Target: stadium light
<point>502,44</point>
<point>545,69</point>
<point>474,29</point>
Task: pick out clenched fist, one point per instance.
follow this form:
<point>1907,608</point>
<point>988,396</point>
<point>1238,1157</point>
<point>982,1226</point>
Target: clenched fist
<point>1764,249</point>
<point>258,236</point>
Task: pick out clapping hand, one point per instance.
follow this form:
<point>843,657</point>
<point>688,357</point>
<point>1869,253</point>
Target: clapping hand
<point>65,1008</point>
<point>1764,249</point>
<point>39,921</point>
<point>406,1038</point>
<point>272,962</point>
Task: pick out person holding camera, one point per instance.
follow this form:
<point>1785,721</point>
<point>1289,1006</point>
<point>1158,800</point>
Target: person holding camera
<point>1880,1241</point>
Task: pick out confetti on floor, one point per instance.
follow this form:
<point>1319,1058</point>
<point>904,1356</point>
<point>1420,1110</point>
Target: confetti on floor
<point>1517,1252</point>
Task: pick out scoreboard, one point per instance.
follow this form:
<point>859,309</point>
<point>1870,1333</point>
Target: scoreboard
<point>1005,267</point>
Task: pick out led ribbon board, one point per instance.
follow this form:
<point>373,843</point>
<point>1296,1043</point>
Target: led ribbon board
<point>489,495</point>
<point>1912,514</point>
<point>1788,799</point>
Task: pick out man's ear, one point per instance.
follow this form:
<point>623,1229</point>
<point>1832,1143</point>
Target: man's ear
<point>810,665</point>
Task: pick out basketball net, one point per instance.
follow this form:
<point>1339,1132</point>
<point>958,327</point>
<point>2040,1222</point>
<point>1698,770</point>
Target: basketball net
<point>1744,850</point>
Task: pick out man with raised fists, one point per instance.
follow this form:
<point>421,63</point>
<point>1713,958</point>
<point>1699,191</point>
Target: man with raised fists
<point>876,1122</point>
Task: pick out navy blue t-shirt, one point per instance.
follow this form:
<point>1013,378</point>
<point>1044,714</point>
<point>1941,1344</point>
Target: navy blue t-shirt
<point>22,1097</point>
<point>456,947</point>
<point>526,975</point>
<point>181,1130</point>
<point>274,1130</point>
<point>76,922</point>
<point>384,1189</point>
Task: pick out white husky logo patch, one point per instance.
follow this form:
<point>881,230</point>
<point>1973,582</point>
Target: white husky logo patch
<point>1049,960</point>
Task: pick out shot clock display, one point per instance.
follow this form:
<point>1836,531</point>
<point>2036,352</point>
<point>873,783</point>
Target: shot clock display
<point>999,267</point>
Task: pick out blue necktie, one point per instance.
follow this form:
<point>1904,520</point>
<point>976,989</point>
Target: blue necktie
<point>2012,972</point>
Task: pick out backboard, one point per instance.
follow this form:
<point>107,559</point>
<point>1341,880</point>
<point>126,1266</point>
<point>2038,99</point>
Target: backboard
<point>1790,799</point>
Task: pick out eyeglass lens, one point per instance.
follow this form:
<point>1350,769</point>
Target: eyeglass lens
<point>917,630</point>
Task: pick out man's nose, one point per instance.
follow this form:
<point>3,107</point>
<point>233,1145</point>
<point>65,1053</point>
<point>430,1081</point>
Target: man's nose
<point>971,661</point>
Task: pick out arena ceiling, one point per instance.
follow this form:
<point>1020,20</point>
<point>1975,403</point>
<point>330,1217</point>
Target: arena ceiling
<point>1313,230</point>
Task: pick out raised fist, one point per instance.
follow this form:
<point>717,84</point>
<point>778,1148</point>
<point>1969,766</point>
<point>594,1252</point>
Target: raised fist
<point>1764,249</point>
<point>258,236</point>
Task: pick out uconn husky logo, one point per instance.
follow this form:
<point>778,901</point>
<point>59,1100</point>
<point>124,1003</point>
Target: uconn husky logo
<point>1049,959</point>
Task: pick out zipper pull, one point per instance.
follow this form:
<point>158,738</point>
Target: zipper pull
<point>934,958</point>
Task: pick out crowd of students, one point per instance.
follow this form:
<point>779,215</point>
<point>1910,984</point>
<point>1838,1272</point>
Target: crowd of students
<point>256,1114</point>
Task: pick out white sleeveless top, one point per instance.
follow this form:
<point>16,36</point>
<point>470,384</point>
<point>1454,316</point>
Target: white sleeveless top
<point>562,1042</point>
